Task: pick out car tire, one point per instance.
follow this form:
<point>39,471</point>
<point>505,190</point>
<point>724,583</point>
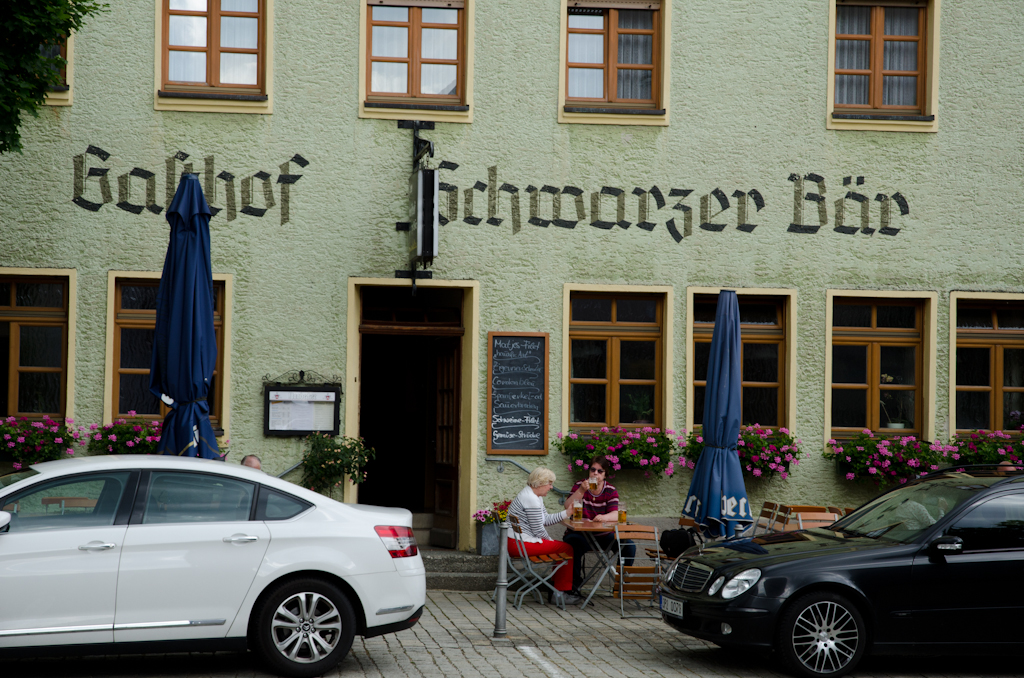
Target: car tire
<point>821,635</point>
<point>304,627</point>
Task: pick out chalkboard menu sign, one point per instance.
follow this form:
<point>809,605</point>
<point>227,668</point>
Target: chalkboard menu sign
<point>517,393</point>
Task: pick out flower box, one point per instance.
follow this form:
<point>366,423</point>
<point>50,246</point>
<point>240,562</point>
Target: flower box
<point>487,539</point>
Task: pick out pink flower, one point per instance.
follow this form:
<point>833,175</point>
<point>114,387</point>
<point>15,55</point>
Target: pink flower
<point>756,472</point>
<point>579,462</point>
<point>97,437</point>
<point>655,460</point>
<point>130,444</point>
<point>569,464</point>
<point>574,436</point>
<point>131,413</point>
<point>866,431</point>
<point>70,452</point>
<point>872,470</point>
<point>7,436</point>
<point>783,475</point>
<point>604,429</point>
<point>644,462</point>
<point>17,466</point>
<point>559,436</point>
<point>11,444</point>
<point>700,439</point>
<point>617,467</point>
<point>850,476</point>
<point>650,439</point>
<point>58,440</point>
<point>783,429</point>
<point>112,437</point>
<point>633,452</point>
<point>21,439</point>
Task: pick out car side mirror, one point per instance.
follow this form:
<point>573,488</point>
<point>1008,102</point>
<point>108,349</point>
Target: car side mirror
<point>5,520</point>
<point>945,546</point>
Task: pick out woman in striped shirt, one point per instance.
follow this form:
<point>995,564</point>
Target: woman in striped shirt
<point>599,506</point>
<point>528,507</point>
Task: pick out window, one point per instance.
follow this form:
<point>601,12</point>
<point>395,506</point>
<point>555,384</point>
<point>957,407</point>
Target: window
<point>416,56</point>
<point>877,366</point>
<point>996,525</point>
<point>613,61</point>
<point>197,498</point>
<point>33,346</point>
<point>882,68</point>
<point>133,328</point>
<point>213,50</point>
<point>61,94</point>
<point>275,505</point>
<point>989,371</point>
<point>615,370</point>
<point>79,501</point>
<point>764,356</point>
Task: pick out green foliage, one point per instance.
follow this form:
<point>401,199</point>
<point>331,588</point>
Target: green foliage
<point>26,75</point>
<point>329,459</point>
<point>763,452</point>
<point>31,442</point>
<point>125,436</point>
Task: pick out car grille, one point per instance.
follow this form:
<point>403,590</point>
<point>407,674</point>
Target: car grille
<point>690,576</point>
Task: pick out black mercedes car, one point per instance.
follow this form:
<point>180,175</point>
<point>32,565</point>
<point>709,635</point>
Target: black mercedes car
<point>934,566</point>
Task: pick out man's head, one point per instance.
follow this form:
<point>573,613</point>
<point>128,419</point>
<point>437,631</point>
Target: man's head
<point>252,461</point>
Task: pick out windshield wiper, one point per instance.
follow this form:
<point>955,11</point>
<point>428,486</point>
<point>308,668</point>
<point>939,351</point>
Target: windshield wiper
<point>875,534</point>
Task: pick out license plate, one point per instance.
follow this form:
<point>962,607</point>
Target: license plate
<point>672,607</point>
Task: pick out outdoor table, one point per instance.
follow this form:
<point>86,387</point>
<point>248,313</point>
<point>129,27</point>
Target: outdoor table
<point>590,530</point>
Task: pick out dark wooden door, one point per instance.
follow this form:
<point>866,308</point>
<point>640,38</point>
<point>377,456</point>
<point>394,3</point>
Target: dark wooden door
<point>445,532</point>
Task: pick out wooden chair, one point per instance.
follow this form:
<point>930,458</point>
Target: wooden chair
<point>533,568</point>
<point>782,520</point>
<point>805,516</point>
<point>766,519</point>
<point>637,582</point>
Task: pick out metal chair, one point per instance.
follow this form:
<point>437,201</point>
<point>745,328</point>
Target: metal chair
<point>532,573</point>
<point>765,519</point>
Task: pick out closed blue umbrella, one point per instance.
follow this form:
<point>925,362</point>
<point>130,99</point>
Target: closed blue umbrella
<point>184,344</point>
<point>717,500</point>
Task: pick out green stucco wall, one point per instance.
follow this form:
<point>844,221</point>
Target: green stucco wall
<point>748,98</point>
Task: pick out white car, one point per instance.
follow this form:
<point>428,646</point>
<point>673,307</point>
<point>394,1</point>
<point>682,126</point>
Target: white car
<point>159,554</point>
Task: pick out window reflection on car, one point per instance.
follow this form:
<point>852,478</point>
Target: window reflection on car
<point>903,514</point>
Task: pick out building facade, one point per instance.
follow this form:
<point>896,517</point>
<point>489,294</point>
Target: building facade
<point>851,169</point>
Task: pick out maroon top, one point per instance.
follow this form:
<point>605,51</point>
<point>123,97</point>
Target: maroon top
<point>598,504</point>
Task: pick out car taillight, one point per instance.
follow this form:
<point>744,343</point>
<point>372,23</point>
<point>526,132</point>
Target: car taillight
<point>398,540</point>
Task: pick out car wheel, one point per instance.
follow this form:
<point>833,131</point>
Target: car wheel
<point>821,635</point>
<point>304,628</point>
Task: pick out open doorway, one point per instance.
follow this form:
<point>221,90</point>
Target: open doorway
<point>410,375</point>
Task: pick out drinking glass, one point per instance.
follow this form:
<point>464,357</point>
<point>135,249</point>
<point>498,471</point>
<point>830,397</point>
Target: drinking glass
<point>622,514</point>
<point>577,511</point>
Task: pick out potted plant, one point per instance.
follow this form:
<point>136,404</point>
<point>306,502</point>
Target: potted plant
<point>763,452</point>
<point>30,442</point>
<point>892,404</point>
<point>487,527</point>
<point>329,459</point>
<point>124,436</point>
<point>645,448</point>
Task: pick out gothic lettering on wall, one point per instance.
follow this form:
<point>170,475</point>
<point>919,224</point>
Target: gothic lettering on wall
<point>136,188</point>
<point>853,212</point>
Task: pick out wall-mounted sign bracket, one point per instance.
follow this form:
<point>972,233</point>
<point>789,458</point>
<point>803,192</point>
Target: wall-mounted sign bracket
<point>420,147</point>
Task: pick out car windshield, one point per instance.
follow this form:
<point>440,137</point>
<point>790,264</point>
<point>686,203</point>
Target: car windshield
<point>903,514</point>
<point>11,478</point>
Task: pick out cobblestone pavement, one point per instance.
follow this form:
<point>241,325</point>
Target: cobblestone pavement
<point>454,639</point>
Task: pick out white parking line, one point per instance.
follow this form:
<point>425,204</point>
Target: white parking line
<point>534,655</point>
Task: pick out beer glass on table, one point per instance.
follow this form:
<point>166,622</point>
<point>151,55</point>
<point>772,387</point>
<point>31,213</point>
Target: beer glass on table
<point>577,511</point>
<point>622,514</point>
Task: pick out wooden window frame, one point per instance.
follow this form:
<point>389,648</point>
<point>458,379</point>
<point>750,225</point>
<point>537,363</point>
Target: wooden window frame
<point>213,50</point>
<point>613,332</point>
<point>875,72</point>
<point>33,316</point>
<point>875,117</point>
<point>611,66</point>
<point>64,95</point>
<point>146,319</point>
<point>751,333</point>
<point>874,338</point>
<point>996,340</point>
<point>414,59</point>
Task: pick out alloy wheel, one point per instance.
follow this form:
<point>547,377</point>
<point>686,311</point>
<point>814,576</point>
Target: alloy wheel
<point>826,637</point>
<point>306,627</point>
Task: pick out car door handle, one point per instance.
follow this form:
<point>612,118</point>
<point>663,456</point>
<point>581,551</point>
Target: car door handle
<point>96,546</point>
<point>240,539</point>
